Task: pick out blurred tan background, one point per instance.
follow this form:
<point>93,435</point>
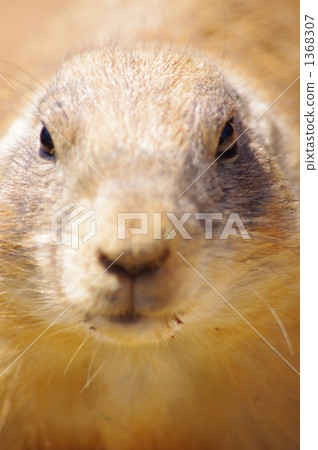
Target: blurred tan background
<point>259,38</point>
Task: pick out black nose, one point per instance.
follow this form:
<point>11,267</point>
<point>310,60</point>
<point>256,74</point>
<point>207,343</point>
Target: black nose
<point>134,265</point>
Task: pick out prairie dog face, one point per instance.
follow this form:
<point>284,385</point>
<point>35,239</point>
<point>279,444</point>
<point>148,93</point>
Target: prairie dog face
<point>128,132</point>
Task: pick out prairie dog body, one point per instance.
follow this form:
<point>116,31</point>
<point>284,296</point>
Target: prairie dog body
<point>150,355</point>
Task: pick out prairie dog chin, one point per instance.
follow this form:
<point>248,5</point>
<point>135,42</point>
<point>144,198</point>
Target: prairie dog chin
<point>181,336</point>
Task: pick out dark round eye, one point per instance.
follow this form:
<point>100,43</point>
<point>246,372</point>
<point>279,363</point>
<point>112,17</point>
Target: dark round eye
<point>46,144</point>
<point>227,146</point>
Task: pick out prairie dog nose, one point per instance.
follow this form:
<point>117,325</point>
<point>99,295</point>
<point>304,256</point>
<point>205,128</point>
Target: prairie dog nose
<point>137,260</point>
<point>139,239</point>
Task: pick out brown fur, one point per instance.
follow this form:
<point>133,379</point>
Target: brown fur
<point>147,114</point>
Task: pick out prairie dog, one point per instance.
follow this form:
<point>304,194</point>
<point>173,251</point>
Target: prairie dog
<point>152,343</point>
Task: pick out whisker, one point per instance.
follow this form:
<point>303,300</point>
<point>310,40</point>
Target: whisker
<point>91,363</point>
<point>89,381</point>
<point>23,71</point>
<point>74,355</point>
<point>35,93</point>
<point>280,324</point>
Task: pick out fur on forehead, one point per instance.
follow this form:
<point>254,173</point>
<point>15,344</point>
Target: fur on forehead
<point>139,79</point>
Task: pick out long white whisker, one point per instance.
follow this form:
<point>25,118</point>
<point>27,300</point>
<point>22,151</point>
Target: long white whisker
<point>74,355</point>
<point>89,381</point>
<point>280,324</point>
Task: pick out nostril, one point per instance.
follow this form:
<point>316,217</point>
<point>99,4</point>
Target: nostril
<point>110,265</point>
<point>128,265</point>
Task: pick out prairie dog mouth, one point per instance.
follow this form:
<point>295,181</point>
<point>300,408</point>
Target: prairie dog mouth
<point>132,317</point>
<point>132,327</point>
<point>128,318</point>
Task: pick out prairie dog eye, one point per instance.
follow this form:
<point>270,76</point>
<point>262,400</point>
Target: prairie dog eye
<point>46,144</point>
<point>227,145</point>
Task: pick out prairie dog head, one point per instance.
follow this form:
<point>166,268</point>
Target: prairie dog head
<point>142,131</point>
